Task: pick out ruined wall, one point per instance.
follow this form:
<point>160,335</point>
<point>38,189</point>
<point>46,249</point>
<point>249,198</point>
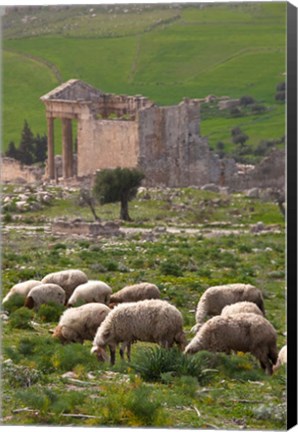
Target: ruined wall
<point>172,152</point>
<point>106,144</point>
<point>13,171</point>
<point>120,105</point>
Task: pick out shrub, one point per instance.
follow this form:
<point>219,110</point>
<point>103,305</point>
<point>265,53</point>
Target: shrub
<point>170,268</point>
<point>143,406</point>
<point>15,302</point>
<point>280,96</point>
<point>21,318</point>
<point>50,312</point>
<point>153,363</point>
<point>246,100</point>
<point>20,376</point>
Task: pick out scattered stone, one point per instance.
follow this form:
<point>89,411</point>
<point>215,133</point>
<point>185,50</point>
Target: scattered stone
<point>211,187</point>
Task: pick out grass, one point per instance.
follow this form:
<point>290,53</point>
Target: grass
<point>169,54</point>
<point>158,388</point>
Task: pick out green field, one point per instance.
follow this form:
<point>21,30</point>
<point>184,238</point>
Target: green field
<point>164,53</point>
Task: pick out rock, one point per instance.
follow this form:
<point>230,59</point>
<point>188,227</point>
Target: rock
<point>211,187</point>
<point>253,193</point>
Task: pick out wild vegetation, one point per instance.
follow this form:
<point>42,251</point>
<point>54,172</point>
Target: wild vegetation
<point>165,52</point>
<point>183,240</point>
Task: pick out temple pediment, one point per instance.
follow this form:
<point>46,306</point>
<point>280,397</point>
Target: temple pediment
<point>73,90</point>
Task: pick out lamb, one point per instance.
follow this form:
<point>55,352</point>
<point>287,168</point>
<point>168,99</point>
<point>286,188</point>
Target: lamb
<point>281,359</point>
<point>80,323</point>
<point>67,279</point>
<point>137,292</point>
<point>215,298</point>
<point>246,332</point>
<point>240,307</point>
<point>21,289</point>
<point>147,320</point>
<point>89,292</point>
<point>44,293</point>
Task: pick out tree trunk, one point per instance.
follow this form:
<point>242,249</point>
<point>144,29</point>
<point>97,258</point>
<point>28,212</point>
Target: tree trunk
<point>124,209</point>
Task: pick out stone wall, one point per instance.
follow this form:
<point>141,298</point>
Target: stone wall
<point>13,171</point>
<point>106,144</point>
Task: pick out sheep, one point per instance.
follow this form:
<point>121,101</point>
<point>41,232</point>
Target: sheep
<point>147,320</point>
<point>80,323</point>
<point>21,289</point>
<point>216,297</point>
<point>134,293</point>
<point>246,332</point>
<point>44,293</point>
<point>91,291</point>
<point>240,307</point>
<point>67,279</point>
<point>281,359</point>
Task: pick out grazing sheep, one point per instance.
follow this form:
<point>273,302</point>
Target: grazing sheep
<point>241,307</point>
<point>281,359</point>
<point>21,289</point>
<point>89,292</point>
<point>216,298</point>
<point>246,332</point>
<point>80,323</point>
<point>137,292</point>
<point>67,279</point>
<point>44,293</point>
<point>147,320</point>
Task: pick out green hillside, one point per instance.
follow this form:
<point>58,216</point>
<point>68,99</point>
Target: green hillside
<point>160,51</point>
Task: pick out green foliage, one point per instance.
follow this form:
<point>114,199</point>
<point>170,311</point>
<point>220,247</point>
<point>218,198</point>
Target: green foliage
<point>20,376</point>
<point>21,318</point>
<point>15,302</point>
<point>170,267</point>
<point>50,312</point>
<point>143,405</point>
<point>119,184</point>
<point>153,363</point>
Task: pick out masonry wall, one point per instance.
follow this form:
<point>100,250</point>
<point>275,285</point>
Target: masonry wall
<point>172,153</point>
<point>106,144</point>
<point>13,171</point>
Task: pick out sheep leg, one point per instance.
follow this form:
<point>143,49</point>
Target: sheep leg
<point>112,354</point>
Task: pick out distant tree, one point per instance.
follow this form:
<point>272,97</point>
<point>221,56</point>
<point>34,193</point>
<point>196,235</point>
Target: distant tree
<point>238,137</point>
<point>246,100</point>
<point>40,148</point>
<point>119,184</point>
<point>220,149</point>
<point>26,147</point>
<point>280,94</point>
<point>12,151</point>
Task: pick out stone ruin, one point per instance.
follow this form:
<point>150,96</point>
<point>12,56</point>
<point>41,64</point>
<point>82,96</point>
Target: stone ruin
<point>131,131</point>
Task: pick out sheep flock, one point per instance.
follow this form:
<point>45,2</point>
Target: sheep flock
<point>228,318</point>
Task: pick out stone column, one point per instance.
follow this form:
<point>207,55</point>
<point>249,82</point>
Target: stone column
<point>67,153</point>
<point>51,155</point>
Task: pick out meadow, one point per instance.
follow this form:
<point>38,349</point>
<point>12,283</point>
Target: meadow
<point>46,383</point>
<point>165,53</point>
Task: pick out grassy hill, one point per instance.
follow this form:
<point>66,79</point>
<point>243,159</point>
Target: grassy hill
<point>165,52</point>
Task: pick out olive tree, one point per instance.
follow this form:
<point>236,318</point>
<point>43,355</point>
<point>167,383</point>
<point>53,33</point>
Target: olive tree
<point>119,184</point>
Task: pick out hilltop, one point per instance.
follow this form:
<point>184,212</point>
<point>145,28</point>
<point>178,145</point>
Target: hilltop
<point>165,52</point>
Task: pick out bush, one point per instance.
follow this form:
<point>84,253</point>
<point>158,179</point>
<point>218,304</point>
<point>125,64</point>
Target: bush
<point>153,363</point>
<point>246,100</point>
<point>21,318</point>
<point>280,96</point>
<point>20,376</point>
<point>170,268</point>
<point>15,302</point>
<point>50,312</point>
<point>143,406</point>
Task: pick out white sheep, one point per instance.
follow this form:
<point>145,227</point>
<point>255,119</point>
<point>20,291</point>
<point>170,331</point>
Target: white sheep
<point>137,292</point>
<point>44,294</point>
<point>215,298</point>
<point>281,359</point>
<point>241,307</point>
<point>67,279</point>
<point>91,292</point>
<point>147,320</point>
<point>80,323</point>
<point>246,332</point>
<point>21,289</point>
